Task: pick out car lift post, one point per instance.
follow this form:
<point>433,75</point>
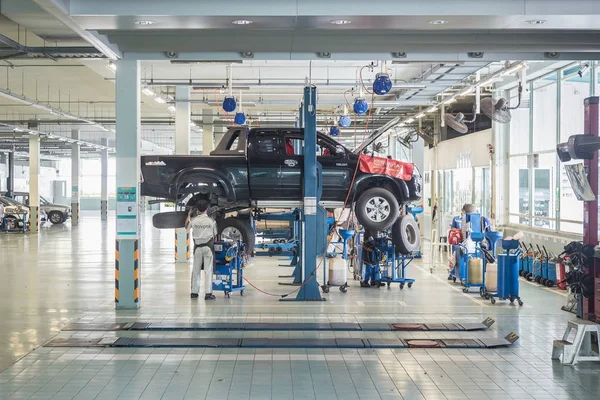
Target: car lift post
<point>312,196</point>
<point>588,308</point>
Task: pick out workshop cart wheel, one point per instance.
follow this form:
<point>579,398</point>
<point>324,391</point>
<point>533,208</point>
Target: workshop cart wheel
<point>529,276</point>
<point>325,288</point>
<point>278,250</point>
<point>454,279</point>
<point>228,294</point>
<point>465,290</point>
<point>377,209</point>
<point>520,302</point>
<point>344,288</point>
<point>549,283</point>
<point>272,251</point>
<point>388,284</point>
<point>481,292</point>
<point>402,286</point>
<point>492,300</point>
<point>511,299</point>
<point>409,284</point>
<point>241,292</point>
<point>405,234</point>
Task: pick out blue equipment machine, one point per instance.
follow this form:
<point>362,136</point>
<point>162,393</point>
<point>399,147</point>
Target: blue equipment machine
<point>508,273</point>
<point>228,273</point>
<point>381,264</point>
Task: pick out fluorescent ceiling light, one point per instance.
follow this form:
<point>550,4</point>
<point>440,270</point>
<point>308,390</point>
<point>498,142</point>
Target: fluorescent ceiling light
<point>148,92</point>
<point>535,21</point>
<point>420,115</point>
<point>340,22</point>
<point>437,22</point>
<point>242,22</point>
<point>449,101</point>
<point>17,129</point>
<point>171,109</point>
<point>514,68</point>
<point>410,120</point>
<point>431,109</point>
<point>159,100</point>
<point>112,66</point>
<point>488,81</point>
<point>144,22</point>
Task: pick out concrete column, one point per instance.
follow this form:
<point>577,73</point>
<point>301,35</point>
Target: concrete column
<point>128,280</point>
<point>182,147</point>
<point>75,160</point>
<point>208,144</point>
<point>499,172</point>
<point>10,180</point>
<point>219,132</point>
<point>34,183</point>
<point>104,181</point>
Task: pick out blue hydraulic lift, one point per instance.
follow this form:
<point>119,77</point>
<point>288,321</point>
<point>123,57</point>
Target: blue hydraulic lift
<point>313,226</point>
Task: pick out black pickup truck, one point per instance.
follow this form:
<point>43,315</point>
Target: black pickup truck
<point>263,167</point>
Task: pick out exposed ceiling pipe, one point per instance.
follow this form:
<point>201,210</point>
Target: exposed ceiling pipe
<point>34,103</point>
<point>46,51</point>
<point>515,67</point>
<point>266,82</point>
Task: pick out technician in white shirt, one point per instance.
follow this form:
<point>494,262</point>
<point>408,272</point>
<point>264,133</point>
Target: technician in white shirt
<point>204,232</point>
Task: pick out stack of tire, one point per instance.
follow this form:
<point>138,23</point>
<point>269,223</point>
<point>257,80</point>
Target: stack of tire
<point>404,229</point>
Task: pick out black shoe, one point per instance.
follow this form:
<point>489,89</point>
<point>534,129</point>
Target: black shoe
<point>209,296</point>
<point>194,295</point>
<point>365,284</point>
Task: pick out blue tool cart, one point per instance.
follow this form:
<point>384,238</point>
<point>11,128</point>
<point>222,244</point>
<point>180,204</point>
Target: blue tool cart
<point>381,264</point>
<point>228,273</point>
<point>11,225</point>
<point>508,273</point>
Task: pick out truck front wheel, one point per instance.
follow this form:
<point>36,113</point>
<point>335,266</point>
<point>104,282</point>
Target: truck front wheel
<point>234,229</point>
<point>377,209</point>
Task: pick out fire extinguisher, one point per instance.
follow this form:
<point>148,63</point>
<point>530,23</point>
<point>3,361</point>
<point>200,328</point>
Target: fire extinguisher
<point>560,273</point>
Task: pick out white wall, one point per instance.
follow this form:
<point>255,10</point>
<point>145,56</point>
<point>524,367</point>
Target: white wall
<point>465,151</point>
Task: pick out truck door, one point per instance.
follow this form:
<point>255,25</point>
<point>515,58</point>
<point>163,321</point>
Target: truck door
<point>264,165</point>
<point>337,170</point>
<point>292,165</point>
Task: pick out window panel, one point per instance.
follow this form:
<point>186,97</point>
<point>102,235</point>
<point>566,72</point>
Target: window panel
<point>519,125</point>
<point>519,189</point>
<point>571,209</point>
<point>544,113</point>
<point>573,91</point>
<point>544,189</point>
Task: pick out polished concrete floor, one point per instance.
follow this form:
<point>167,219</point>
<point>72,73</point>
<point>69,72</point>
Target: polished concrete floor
<point>66,274</point>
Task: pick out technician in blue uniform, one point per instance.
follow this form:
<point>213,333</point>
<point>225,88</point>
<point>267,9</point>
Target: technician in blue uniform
<point>204,232</point>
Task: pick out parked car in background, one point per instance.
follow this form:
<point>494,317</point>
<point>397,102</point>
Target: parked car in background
<point>14,212</point>
<point>55,213</point>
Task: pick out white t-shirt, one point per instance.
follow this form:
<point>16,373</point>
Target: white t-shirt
<point>204,228</point>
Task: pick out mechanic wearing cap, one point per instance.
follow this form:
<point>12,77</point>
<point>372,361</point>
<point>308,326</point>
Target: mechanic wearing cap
<point>204,232</point>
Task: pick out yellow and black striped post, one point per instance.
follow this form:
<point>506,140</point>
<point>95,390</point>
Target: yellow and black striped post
<point>127,273</point>
<point>182,252</point>
<point>136,271</point>
<point>117,271</point>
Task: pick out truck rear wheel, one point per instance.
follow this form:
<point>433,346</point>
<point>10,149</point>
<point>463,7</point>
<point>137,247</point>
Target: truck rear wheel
<point>376,209</point>
<point>234,229</point>
<point>405,234</point>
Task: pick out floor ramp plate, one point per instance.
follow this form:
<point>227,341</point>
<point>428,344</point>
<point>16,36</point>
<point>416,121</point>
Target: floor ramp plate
<point>386,343</point>
<point>300,343</point>
<point>196,326</point>
<point>81,326</point>
<point>177,342</point>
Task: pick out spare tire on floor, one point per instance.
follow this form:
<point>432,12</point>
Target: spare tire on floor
<point>405,234</point>
<point>233,229</point>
